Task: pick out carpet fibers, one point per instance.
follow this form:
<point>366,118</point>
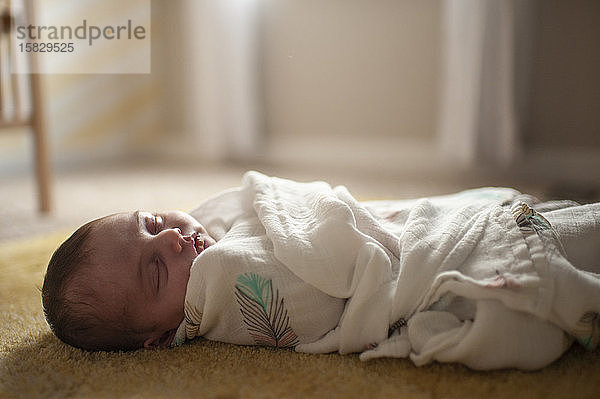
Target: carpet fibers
<point>33,363</point>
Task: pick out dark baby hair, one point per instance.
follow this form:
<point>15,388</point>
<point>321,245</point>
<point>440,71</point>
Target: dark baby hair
<point>76,313</point>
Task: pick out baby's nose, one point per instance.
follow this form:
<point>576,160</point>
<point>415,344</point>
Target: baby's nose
<point>174,239</point>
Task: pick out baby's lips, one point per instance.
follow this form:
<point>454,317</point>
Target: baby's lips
<point>195,242</point>
<point>198,243</point>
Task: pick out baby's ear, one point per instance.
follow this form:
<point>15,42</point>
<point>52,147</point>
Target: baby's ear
<point>162,341</point>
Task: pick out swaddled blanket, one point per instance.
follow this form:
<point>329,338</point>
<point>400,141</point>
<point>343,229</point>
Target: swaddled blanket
<point>476,277</point>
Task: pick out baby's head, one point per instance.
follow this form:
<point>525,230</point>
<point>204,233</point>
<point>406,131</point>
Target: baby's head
<point>119,282</point>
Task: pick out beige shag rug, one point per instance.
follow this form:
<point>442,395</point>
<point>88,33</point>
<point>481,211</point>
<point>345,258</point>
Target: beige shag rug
<point>33,363</point>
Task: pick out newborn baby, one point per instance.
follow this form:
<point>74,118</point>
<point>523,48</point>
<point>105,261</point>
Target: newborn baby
<point>479,277</point>
<point>119,282</point>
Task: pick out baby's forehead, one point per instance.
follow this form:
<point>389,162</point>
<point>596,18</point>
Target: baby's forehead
<point>113,231</point>
<point>117,222</point>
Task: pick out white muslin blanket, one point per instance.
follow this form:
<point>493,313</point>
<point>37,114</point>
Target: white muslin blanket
<point>477,277</point>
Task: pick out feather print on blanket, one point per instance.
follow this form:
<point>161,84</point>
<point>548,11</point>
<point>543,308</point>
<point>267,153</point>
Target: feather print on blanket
<point>193,318</point>
<point>528,219</point>
<point>264,313</point>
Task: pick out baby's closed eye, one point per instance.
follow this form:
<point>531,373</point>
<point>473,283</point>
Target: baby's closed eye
<point>154,223</point>
<point>157,271</point>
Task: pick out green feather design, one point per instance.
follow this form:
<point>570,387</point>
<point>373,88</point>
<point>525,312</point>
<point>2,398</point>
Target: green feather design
<point>264,313</point>
<point>255,287</point>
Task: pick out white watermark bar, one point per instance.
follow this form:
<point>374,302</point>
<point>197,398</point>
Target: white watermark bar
<point>80,36</point>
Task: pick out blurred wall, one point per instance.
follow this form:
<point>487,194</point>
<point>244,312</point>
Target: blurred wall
<point>352,68</point>
<point>371,69</point>
<point>358,69</point>
<point>565,84</point>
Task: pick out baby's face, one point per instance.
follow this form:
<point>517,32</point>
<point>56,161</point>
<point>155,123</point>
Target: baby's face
<point>145,258</point>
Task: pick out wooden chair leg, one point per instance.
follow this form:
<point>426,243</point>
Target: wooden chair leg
<point>42,160</point>
<point>36,121</point>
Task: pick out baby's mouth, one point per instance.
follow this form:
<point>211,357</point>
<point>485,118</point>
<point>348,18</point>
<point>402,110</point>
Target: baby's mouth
<point>198,244</point>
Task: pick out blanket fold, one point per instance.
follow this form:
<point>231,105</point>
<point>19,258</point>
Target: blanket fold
<point>477,277</point>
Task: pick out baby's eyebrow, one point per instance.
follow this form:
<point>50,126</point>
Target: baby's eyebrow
<point>138,220</point>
